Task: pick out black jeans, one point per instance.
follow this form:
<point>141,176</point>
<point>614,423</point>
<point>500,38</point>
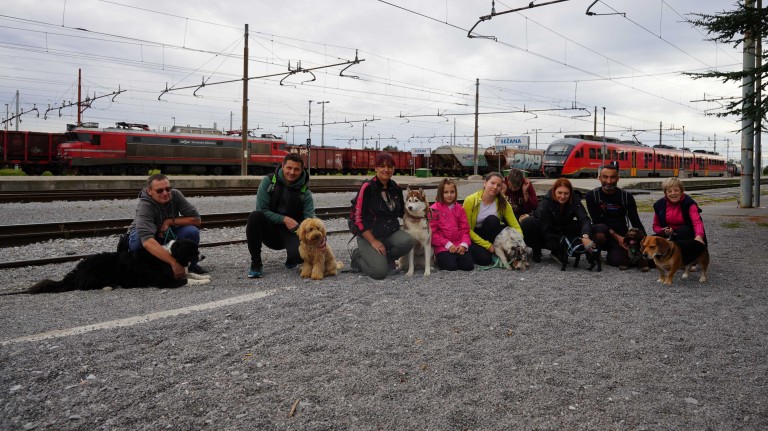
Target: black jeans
<point>260,231</point>
<point>488,231</point>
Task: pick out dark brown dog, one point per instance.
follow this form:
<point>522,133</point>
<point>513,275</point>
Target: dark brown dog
<point>634,256</point>
<point>670,256</point>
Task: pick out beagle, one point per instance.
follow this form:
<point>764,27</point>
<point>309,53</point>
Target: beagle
<point>670,256</point>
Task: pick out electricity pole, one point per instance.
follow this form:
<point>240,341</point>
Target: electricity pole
<point>322,124</point>
<point>309,139</point>
<point>477,104</point>
<point>244,130</point>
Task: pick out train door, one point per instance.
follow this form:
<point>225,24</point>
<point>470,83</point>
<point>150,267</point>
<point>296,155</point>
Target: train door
<point>633,163</point>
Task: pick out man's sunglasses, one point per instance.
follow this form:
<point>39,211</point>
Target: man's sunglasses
<point>165,190</point>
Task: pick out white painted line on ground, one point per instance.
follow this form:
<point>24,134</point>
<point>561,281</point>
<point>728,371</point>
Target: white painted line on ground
<point>130,321</point>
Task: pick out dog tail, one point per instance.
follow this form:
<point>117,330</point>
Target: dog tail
<point>339,265</point>
<point>48,286</point>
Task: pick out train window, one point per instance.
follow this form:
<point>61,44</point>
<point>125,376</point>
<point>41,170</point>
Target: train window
<point>136,138</point>
<point>219,142</point>
<point>96,139</point>
<point>174,140</point>
<point>593,153</point>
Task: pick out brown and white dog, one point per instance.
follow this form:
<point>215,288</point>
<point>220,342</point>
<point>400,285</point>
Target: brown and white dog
<point>416,224</point>
<point>319,260</point>
<point>670,256</point>
<point>634,254</point>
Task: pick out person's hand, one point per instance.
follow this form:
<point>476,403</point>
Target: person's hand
<point>290,223</point>
<point>526,186</point>
<point>620,239</point>
<point>461,250</point>
<point>491,249</point>
<point>178,270</point>
<point>588,243</point>
<point>165,226</point>
<point>453,249</point>
<point>699,239</point>
<point>668,231</point>
<point>379,247</point>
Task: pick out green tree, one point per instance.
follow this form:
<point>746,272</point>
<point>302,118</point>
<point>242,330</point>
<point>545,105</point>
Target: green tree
<point>390,148</point>
<point>730,27</point>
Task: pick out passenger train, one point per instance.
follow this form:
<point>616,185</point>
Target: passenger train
<point>580,156</point>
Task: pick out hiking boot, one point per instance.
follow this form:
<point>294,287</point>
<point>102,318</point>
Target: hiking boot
<point>255,271</point>
<point>355,255</point>
<point>195,268</point>
<point>536,255</point>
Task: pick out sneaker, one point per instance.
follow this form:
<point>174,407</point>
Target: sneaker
<point>556,258</point>
<point>290,265</point>
<point>197,269</point>
<point>255,272</point>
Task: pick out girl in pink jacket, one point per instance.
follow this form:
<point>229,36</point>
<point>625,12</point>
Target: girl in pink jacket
<point>450,230</point>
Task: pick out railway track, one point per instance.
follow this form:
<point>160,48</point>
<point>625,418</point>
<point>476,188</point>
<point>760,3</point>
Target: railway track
<point>93,195</point>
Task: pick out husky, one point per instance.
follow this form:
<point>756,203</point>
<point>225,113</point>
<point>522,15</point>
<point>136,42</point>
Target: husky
<point>416,224</point>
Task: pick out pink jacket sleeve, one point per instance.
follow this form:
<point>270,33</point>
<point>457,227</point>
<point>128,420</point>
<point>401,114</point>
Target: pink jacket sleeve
<point>698,224</point>
<point>438,236</point>
<point>463,225</point>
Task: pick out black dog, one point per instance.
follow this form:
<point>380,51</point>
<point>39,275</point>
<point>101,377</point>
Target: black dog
<point>634,255</point>
<point>575,248</point>
<point>125,269</point>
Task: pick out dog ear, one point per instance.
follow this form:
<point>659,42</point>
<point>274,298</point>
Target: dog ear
<point>302,230</point>
<point>663,245</point>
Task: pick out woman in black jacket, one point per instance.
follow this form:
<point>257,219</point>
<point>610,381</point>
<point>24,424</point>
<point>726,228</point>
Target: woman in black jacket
<point>560,213</point>
<point>378,205</point>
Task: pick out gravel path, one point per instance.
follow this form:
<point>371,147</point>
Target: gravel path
<point>493,350</point>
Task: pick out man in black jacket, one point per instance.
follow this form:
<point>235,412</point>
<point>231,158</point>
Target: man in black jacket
<point>612,211</point>
<point>283,201</point>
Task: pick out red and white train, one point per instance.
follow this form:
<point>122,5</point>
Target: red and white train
<point>576,156</point>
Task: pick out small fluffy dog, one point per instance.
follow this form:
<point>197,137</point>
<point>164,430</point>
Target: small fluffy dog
<point>127,270</point>
<point>509,246</point>
<point>634,255</point>
<point>416,224</point>
<point>573,247</point>
<point>670,256</point>
<point>319,260</point>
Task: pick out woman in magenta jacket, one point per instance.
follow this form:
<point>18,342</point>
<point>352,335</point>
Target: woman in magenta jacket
<point>450,230</point>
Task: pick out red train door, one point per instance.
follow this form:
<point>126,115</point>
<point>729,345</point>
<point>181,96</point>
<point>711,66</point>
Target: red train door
<point>633,163</point>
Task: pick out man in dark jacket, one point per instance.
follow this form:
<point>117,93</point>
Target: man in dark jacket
<point>612,211</point>
<point>283,201</point>
<point>163,214</point>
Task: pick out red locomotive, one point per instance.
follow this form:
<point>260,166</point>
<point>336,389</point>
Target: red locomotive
<point>135,149</point>
<point>329,160</point>
<point>578,156</point>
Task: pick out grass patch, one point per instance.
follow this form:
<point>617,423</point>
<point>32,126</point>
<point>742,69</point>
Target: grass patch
<point>731,224</point>
<point>10,172</point>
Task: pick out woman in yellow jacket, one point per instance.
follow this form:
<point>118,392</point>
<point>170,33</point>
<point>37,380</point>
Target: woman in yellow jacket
<point>488,213</point>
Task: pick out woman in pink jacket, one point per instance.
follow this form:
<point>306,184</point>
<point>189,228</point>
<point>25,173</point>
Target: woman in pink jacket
<point>450,230</point>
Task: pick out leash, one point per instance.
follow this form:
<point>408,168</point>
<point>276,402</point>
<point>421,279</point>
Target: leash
<point>496,264</point>
<point>169,236</point>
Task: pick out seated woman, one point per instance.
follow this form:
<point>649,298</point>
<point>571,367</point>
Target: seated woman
<point>450,230</point>
<point>520,194</point>
<point>676,215</point>
<point>560,213</point>
<point>378,206</point>
<point>488,213</point>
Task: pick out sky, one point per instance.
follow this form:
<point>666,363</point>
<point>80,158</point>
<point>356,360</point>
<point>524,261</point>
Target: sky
<point>543,72</point>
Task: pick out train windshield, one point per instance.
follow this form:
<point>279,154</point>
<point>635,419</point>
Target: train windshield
<point>559,149</point>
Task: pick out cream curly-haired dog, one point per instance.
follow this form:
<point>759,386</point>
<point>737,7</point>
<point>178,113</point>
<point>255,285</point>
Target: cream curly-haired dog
<point>319,260</point>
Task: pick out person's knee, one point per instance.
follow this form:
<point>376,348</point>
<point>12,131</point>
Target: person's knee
<point>600,238</point>
<point>378,273</point>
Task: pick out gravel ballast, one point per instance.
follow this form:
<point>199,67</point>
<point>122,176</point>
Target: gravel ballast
<point>495,349</point>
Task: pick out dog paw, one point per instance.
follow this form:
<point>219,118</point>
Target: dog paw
<point>409,273</point>
<point>702,279</point>
<point>685,275</point>
<point>644,269</point>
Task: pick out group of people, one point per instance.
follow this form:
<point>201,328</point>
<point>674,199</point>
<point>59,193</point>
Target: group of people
<point>462,235</point>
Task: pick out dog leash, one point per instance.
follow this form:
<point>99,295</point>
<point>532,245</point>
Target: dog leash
<point>496,264</point>
<point>169,236</point>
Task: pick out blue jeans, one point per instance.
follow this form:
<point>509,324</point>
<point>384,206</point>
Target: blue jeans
<point>181,232</point>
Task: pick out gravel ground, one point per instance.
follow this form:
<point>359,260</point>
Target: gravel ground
<point>541,349</point>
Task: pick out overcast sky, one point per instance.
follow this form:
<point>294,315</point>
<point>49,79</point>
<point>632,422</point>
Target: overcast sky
<point>416,62</point>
